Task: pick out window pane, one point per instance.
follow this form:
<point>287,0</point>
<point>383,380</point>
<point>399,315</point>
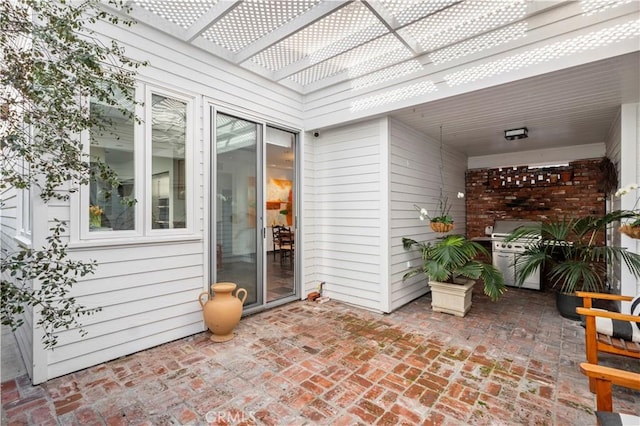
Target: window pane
<point>236,192</point>
<point>168,175</point>
<point>26,212</point>
<point>113,209</point>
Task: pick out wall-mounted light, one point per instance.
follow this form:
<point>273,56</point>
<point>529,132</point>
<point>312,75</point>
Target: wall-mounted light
<point>515,134</point>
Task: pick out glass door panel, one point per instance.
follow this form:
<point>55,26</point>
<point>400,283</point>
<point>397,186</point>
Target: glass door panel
<point>280,222</point>
<point>236,215</point>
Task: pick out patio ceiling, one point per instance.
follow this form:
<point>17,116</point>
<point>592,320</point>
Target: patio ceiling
<point>574,106</point>
<point>377,57</point>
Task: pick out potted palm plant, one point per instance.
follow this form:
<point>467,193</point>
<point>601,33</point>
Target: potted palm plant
<point>572,254</point>
<point>453,264</point>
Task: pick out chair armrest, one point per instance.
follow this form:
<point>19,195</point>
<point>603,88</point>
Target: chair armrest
<point>604,377</point>
<point>624,378</point>
<point>607,314</point>
<point>603,296</point>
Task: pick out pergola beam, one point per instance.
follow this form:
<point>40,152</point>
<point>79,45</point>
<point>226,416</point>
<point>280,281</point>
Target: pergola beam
<point>213,15</point>
<point>392,24</point>
<point>289,29</point>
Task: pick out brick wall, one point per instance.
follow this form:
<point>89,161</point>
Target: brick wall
<point>546,198</point>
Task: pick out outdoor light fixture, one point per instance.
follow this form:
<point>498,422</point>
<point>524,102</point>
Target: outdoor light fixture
<point>515,134</point>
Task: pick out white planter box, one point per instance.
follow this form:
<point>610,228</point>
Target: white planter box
<point>454,299</point>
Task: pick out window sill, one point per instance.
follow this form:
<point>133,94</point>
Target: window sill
<point>23,241</point>
<point>134,241</point>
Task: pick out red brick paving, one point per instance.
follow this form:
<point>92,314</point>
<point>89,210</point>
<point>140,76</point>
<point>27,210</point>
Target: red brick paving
<point>507,363</point>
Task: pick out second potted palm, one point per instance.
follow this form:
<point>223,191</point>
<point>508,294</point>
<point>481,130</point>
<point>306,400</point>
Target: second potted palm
<point>572,254</point>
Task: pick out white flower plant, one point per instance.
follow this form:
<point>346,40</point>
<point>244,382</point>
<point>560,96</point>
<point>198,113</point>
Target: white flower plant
<point>631,188</point>
<point>444,207</point>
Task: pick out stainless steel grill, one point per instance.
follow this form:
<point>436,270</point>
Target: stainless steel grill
<point>504,253</point>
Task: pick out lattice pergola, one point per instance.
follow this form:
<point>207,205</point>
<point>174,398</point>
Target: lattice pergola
<point>309,45</point>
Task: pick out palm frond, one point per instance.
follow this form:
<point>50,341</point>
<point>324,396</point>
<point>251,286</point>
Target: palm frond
<point>494,285</point>
<point>632,261</point>
<point>471,270</point>
<point>454,256</point>
<point>570,275</point>
<point>527,264</point>
<point>574,252</point>
<point>437,271</point>
<point>407,243</point>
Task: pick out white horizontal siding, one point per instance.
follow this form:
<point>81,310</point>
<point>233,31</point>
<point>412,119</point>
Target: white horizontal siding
<point>343,219</point>
<point>9,210</point>
<point>310,223</point>
<point>636,248</point>
<point>105,283</point>
<point>133,315</point>
<point>192,68</point>
<point>158,332</point>
<point>415,179</point>
<point>613,145</point>
<point>118,316</point>
<point>629,170</point>
<point>148,295</point>
<point>148,291</point>
<point>24,338</point>
<point>8,218</point>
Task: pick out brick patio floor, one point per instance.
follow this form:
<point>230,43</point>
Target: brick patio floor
<point>507,363</point>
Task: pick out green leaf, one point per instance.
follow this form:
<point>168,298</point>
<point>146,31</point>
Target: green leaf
<point>43,85</point>
<point>454,256</point>
<point>573,252</point>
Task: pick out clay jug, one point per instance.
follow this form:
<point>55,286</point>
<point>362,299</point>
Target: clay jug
<point>222,312</point>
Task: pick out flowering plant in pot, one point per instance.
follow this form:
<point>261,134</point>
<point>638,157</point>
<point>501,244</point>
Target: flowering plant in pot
<point>95,216</point>
<point>442,221</point>
<point>573,255</point>
<point>453,264</point>
<point>632,226</point>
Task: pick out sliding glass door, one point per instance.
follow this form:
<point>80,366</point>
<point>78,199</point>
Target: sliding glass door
<point>254,234</point>
<point>236,206</point>
<point>280,213</point>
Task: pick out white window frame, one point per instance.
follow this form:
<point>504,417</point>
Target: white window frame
<point>188,161</point>
<point>25,205</point>
<point>142,160</point>
<point>24,228</point>
<point>85,233</point>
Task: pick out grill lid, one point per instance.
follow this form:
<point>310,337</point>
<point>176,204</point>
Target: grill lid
<point>502,228</point>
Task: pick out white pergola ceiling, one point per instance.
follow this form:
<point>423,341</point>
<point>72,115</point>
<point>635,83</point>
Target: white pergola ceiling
<point>430,63</point>
<point>312,44</point>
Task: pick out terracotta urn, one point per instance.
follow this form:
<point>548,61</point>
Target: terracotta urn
<point>222,312</point>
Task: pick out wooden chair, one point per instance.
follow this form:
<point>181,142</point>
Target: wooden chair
<point>287,245</point>
<point>283,241</point>
<point>275,234</point>
<point>597,342</point>
<point>604,377</point>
